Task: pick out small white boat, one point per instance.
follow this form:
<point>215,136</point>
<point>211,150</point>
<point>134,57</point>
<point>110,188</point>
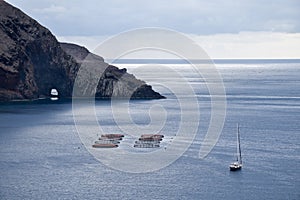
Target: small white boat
<point>54,93</point>
<point>238,164</point>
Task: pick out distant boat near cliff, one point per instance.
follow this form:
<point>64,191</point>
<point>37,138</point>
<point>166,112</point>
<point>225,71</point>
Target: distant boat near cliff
<point>54,94</point>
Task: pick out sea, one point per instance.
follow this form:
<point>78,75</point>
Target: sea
<point>43,154</point>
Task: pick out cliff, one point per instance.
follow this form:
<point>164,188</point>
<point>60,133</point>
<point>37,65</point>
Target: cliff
<point>32,62</point>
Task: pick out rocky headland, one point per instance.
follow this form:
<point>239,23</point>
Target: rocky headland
<point>32,62</point>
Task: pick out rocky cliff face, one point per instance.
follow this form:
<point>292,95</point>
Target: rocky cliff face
<point>31,59</point>
<point>32,62</point>
<point>110,80</point>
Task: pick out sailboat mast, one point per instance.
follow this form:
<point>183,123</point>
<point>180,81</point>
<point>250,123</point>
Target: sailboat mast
<point>239,144</point>
<point>238,164</point>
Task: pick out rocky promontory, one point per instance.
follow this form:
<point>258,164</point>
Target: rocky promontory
<point>32,62</point>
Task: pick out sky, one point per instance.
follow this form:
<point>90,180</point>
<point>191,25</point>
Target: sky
<point>224,29</point>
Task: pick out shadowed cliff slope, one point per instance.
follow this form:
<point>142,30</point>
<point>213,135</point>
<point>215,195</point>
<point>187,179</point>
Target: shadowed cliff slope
<point>32,62</point>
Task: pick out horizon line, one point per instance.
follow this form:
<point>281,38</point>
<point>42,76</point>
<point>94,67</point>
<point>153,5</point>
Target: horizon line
<point>186,61</point>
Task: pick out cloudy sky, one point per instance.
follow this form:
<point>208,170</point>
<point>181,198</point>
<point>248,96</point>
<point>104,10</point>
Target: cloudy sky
<point>225,29</point>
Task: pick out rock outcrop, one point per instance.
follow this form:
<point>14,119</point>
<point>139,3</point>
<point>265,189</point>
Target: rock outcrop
<point>110,80</point>
<point>32,62</point>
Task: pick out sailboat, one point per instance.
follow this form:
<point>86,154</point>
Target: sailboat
<point>238,164</point>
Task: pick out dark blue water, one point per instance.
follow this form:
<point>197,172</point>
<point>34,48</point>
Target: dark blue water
<point>42,157</point>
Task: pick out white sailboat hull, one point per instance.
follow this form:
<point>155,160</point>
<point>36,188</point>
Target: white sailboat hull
<point>235,166</point>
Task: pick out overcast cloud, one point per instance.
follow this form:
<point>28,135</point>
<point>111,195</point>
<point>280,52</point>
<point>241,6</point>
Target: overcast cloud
<point>214,23</point>
<point>105,17</point>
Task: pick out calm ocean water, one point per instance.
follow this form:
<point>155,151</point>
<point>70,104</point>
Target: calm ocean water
<point>42,157</point>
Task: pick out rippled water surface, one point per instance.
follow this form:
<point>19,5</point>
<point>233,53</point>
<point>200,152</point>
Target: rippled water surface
<point>42,157</point>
